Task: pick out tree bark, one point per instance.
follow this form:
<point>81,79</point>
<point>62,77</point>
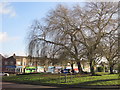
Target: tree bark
<point>111,69</point>
<point>36,66</point>
<point>72,68</point>
<point>92,68</point>
<point>79,67</point>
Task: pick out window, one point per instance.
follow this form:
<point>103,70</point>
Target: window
<point>18,63</point>
<point>31,64</point>
<point>6,63</point>
<point>24,63</point>
<point>11,63</point>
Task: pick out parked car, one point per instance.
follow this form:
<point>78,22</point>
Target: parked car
<point>4,74</point>
<point>66,71</point>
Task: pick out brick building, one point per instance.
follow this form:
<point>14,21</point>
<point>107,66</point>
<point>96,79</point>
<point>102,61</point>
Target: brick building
<point>23,64</point>
<point>8,64</point>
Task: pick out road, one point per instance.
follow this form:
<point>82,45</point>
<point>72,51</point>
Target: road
<point>14,86</point>
<point>6,85</point>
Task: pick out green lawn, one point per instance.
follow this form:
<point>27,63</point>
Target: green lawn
<point>56,79</point>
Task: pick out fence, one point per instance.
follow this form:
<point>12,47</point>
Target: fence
<point>66,77</point>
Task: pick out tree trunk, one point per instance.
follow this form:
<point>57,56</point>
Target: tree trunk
<point>79,67</point>
<point>72,68</point>
<point>36,66</point>
<point>111,69</point>
<point>92,68</point>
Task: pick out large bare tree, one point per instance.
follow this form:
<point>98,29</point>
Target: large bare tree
<point>60,30</point>
<point>99,21</point>
<point>77,30</point>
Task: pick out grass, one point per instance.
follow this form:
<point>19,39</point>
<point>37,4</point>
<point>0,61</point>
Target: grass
<point>102,73</point>
<point>56,79</point>
<point>98,80</point>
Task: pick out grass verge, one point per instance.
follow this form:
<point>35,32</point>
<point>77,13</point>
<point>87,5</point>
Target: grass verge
<point>59,80</point>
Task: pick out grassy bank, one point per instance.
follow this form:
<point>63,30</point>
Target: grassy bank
<point>57,79</point>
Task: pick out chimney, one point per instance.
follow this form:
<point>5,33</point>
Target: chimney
<point>14,55</point>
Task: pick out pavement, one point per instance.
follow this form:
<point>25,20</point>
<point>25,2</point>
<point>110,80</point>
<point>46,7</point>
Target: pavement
<point>14,86</point>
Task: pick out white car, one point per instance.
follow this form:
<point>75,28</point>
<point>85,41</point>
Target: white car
<point>4,74</point>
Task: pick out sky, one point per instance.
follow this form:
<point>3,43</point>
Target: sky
<point>15,21</point>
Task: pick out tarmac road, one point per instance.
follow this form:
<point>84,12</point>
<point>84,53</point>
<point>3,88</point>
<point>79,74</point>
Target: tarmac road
<point>14,86</point>
<point>9,85</point>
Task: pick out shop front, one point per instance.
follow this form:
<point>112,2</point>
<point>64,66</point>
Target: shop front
<point>10,69</point>
<point>30,69</point>
<point>51,69</point>
<point>40,69</point>
<point>18,69</point>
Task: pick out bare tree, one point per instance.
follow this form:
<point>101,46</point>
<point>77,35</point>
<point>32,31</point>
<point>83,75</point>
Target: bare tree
<point>99,21</point>
<point>60,31</point>
<point>77,30</point>
<point>110,50</point>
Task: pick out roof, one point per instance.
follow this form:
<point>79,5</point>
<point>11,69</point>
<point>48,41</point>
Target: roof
<point>19,57</point>
<point>11,57</point>
<point>1,57</point>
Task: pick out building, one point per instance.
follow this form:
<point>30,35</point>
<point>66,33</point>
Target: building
<point>8,64</point>
<point>26,64</point>
<point>1,63</point>
<point>21,63</point>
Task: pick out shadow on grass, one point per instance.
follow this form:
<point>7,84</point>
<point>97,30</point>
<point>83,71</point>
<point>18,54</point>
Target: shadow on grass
<point>80,85</point>
<point>51,81</point>
<point>96,81</point>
